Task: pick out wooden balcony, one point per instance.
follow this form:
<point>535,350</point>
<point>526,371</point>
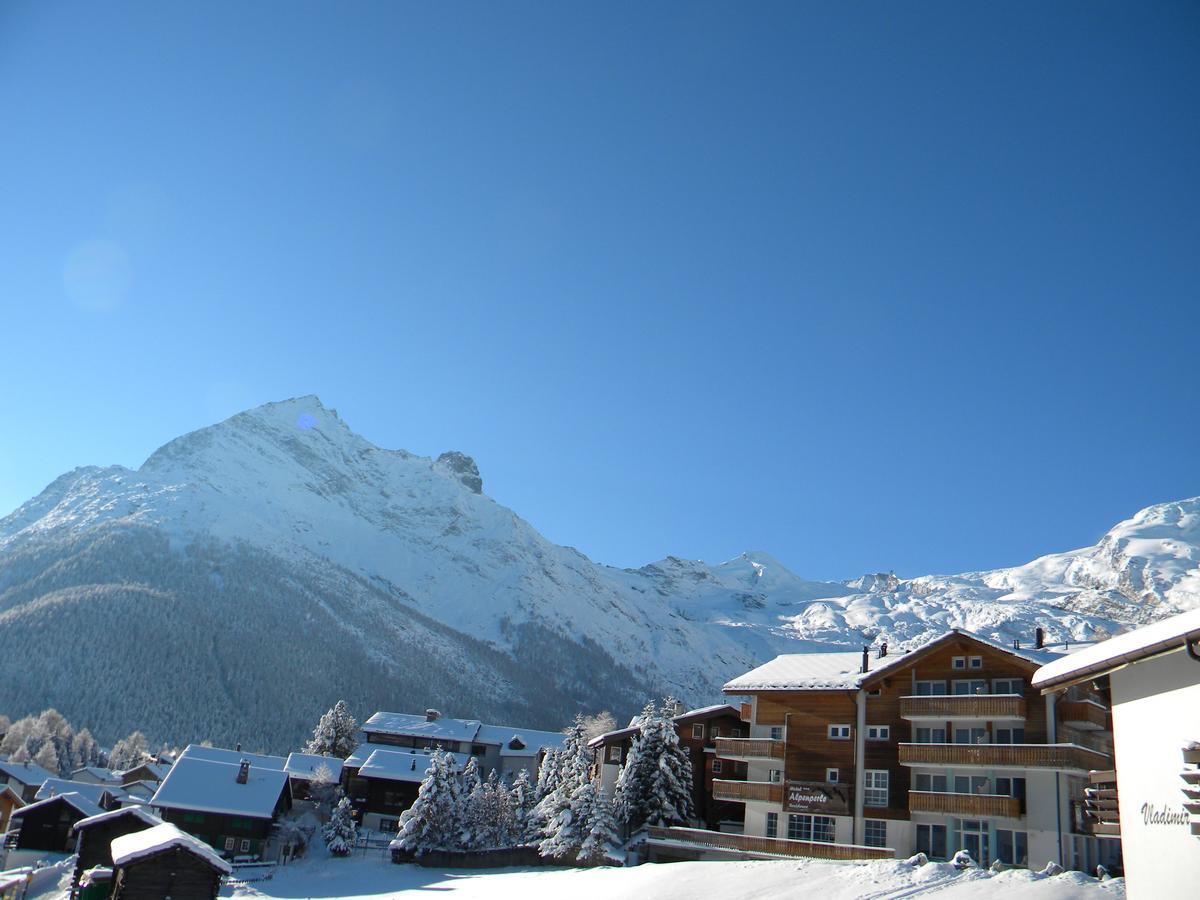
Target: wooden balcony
<point>1085,714</point>
<point>741,791</point>
<point>749,749</point>
<point>764,846</point>
<point>1057,757</point>
<point>968,805</point>
<point>993,707</point>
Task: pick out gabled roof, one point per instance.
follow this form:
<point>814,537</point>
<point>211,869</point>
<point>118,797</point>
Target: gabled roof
<point>519,741</point>
<point>399,765</point>
<point>840,670</point>
<point>409,725</point>
<point>709,712</point>
<point>80,804</point>
<point>232,757</point>
<point>129,848</point>
<point>1165,636</point>
<point>610,737</point>
<point>17,799</point>
<point>157,770</point>
<point>136,812</point>
<point>303,765</point>
<point>104,775</point>
<point>204,785</point>
<point>25,772</point>
<point>52,787</point>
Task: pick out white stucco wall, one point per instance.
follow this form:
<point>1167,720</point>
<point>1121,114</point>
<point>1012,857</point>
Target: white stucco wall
<point>1156,709</point>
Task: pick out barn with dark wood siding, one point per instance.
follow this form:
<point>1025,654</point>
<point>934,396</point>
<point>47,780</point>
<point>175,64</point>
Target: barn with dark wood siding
<point>96,834</point>
<point>47,825</point>
<point>165,862</point>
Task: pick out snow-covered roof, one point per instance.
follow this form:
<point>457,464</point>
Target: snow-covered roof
<point>52,787</point>
<point>407,724</point>
<point>129,848</point>
<point>105,775</point>
<point>24,772</point>
<point>77,801</point>
<point>719,709</point>
<point>234,757</point>
<point>1161,637</point>
<point>532,742</point>
<point>399,765</point>
<point>842,670</point>
<point>303,765</point>
<point>136,811</point>
<point>610,736</point>
<point>205,785</point>
<point>158,770</point>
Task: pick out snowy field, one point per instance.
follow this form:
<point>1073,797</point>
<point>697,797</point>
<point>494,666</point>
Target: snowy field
<point>373,878</point>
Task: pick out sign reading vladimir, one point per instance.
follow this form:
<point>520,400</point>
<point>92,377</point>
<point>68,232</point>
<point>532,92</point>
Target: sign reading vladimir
<point>817,796</point>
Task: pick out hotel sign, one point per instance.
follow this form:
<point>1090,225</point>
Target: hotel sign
<point>818,797</point>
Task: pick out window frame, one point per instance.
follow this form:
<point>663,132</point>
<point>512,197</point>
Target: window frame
<point>244,847</point>
<point>878,840</point>
<point>772,825</point>
<point>958,663</point>
<point>833,731</point>
<point>833,776</point>
<point>230,843</point>
<point>611,748</point>
<point>879,732</point>
<point>996,682</point>
<point>776,732</point>
<point>717,766</point>
<point>975,662</point>
<point>872,787</point>
<point>697,731</point>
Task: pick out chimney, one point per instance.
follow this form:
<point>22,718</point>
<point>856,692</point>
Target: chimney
<point>866,659</point>
<point>1039,638</point>
<point>883,650</point>
<point>237,748</point>
<point>1016,644</point>
<point>243,774</point>
<point>432,715</point>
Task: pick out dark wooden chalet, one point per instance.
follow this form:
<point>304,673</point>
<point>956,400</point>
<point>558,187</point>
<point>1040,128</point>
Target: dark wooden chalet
<point>165,862</point>
<point>382,782</point>
<point>10,800</point>
<point>48,824</point>
<point>94,837</point>
<point>23,777</point>
<point>698,731</point>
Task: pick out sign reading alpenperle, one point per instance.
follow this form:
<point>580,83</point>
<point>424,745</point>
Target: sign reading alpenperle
<point>817,796</point>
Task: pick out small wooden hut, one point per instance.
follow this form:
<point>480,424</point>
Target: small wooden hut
<point>165,862</point>
<point>96,834</point>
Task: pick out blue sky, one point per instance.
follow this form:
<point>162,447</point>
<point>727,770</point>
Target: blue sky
<point>867,286</point>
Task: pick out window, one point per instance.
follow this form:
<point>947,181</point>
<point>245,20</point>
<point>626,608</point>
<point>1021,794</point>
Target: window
<point>958,662</point>
<point>839,732</point>
<point>230,843</point>
<point>875,834</point>
<point>478,749</point>
<point>878,732</point>
<point>738,732</point>
<point>193,817</point>
<point>975,662</point>
<point>931,688</point>
<point>393,798</point>
<point>811,828</point>
<point>614,753</point>
<point>716,767</point>
<point>1010,735</point>
<point>926,781</point>
<point>876,793</point>
<point>245,847</point>
<point>963,686</point>
<point>716,731</point>
<point>698,731</point>
<point>389,824</point>
<point>875,693</point>
<point>930,735</point>
<point>1012,787</point>
<point>1012,847</point>
<point>971,784</point>
<point>832,776</point>
<point>772,824</point>
<point>775,776</point>
<point>1008,686</point>
<point>970,736</point>
<point>931,840</point>
<point>777,732</point>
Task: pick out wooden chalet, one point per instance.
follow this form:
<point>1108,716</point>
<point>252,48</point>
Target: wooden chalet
<point>383,781</point>
<point>48,825</point>
<point>9,800</point>
<point>94,837</point>
<point>23,777</point>
<point>227,798</point>
<point>150,771</point>
<point>163,862</point>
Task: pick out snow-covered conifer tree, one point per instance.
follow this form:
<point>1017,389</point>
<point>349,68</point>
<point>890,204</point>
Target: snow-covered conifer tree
<point>598,825</point>
<point>556,811</point>
<point>340,831</point>
<point>434,821</point>
<point>336,733</point>
<point>655,785</point>
<point>521,801</point>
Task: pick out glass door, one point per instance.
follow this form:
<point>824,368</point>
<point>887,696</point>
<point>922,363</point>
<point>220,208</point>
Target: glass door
<point>974,839</point>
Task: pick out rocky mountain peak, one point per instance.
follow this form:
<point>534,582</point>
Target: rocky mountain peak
<point>461,467</point>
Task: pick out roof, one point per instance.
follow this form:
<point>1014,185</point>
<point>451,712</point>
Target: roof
<point>105,775</point>
<point>129,848</point>
<point>835,670</point>
<point>135,811</point>
<point>532,742</point>
<point>1164,636</point>
<point>303,765</point>
<point>79,803</point>
<point>232,757</point>
<point>610,736</point>
<point>25,772</point>
<point>707,712</point>
<point>158,770</point>
<point>440,728</point>
<point>205,785</point>
<point>398,765</point>
<point>52,787</point>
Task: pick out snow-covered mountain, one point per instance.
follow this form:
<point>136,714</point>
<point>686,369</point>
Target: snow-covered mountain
<point>250,573</point>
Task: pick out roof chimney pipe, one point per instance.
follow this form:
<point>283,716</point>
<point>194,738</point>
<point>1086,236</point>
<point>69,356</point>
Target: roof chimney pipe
<point>1039,638</point>
<point>243,774</point>
<point>432,715</point>
<point>866,659</point>
<point>883,650</point>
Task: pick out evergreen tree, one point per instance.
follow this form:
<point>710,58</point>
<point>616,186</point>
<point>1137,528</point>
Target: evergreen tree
<point>434,821</point>
<point>521,800</point>
<point>340,832</point>
<point>496,814</point>
<point>336,733</point>
<point>655,785</point>
<point>556,811</point>
<point>598,826</point>
<point>549,776</point>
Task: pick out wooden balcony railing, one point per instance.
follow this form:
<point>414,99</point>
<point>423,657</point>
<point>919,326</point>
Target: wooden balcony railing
<point>746,843</point>
<point>963,706</point>
<point>969,805</point>
<point>1101,814</point>
<point>749,748</point>
<point>741,791</point>
<point>1059,757</point>
<point>1085,714</point>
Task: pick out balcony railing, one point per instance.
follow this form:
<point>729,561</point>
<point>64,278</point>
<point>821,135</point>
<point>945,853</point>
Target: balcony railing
<point>741,791</point>
<point>746,843</point>
<point>1058,757</point>
<point>745,749</point>
<point>964,706</point>
<point>1085,714</point>
<point>968,805</point>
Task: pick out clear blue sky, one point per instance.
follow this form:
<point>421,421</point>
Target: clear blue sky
<point>865,285</point>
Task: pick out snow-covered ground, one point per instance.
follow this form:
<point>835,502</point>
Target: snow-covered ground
<point>374,878</point>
